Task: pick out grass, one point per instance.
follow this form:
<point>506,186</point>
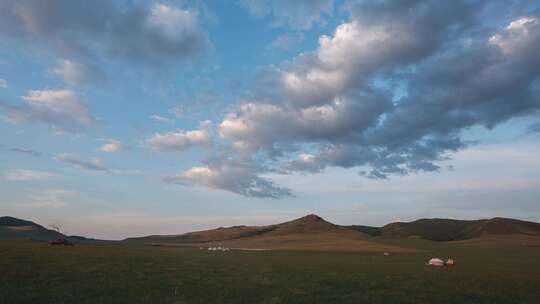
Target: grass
<point>32,272</point>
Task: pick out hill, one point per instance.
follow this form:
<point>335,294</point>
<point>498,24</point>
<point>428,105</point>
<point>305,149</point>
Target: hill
<point>369,230</point>
<point>219,234</point>
<point>453,230</point>
<point>13,228</point>
<point>311,233</point>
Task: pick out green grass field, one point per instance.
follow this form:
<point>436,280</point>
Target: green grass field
<point>33,272</point>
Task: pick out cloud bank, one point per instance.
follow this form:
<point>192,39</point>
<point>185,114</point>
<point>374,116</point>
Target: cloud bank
<point>134,32</point>
<point>390,92</point>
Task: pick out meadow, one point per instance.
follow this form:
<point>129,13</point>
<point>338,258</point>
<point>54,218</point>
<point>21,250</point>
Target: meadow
<point>33,272</point>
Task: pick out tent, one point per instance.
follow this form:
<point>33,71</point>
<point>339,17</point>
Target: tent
<point>435,262</point>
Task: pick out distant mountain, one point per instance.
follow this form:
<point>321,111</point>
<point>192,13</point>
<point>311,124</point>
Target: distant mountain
<point>452,230</point>
<point>13,228</point>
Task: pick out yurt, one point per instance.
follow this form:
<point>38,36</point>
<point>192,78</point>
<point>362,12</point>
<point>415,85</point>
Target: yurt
<point>436,262</point>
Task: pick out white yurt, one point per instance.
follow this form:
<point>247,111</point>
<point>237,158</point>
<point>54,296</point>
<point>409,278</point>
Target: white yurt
<point>436,262</point>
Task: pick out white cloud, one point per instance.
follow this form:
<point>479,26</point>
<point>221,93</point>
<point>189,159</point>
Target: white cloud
<point>181,140</point>
<point>162,119</point>
<point>112,146</point>
<point>3,84</point>
<point>27,175</point>
<point>62,109</point>
<point>230,176</point>
<point>517,35</point>
<point>77,73</point>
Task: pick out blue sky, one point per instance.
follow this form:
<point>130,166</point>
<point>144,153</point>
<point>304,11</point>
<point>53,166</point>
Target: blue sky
<point>141,117</point>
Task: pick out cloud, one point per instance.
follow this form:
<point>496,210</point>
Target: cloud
<point>26,151</point>
<point>299,14</point>
<point>162,119</point>
<point>94,164</point>
<point>61,109</point>
<point>181,140</point>
<point>77,73</point>
<point>178,111</point>
<point>27,175</point>
<point>230,176</point>
<point>535,128</point>
<point>3,83</point>
<point>262,125</point>
<point>399,35</point>
<point>284,42</point>
<point>495,79</point>
<point>390,92</point>
<point>158,33</point>
<point>112,146</point>
<point>55,198</point>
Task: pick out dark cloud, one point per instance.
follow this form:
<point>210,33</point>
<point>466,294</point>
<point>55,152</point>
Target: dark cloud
<point>341,105</point>
<point>93,164</point>
<point>26,151</point>
<point>262,125</point>
<point>485,83</point>
<point>535,128</point>
<point>230,175</point>
<point>155,34</point>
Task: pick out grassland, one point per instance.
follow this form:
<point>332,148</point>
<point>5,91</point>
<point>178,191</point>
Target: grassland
<point>32,272</point>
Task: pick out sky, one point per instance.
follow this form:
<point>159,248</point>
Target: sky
<point>129,118</point>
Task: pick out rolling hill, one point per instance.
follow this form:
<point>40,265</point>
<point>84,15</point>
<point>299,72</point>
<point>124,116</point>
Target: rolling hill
<point>13,228</point>
<point>453,230</point>
<point>311,233</point>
